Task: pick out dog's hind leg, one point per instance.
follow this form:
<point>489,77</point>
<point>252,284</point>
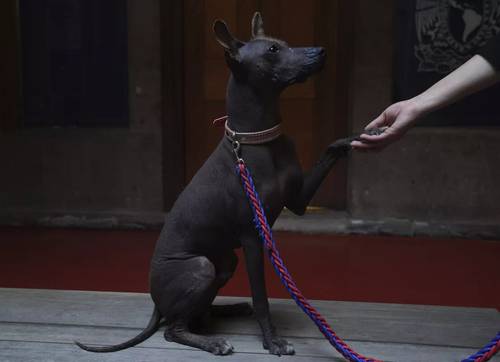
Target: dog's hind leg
<point>225,267</point>
<point>179,333</point>
<point>183,291</point>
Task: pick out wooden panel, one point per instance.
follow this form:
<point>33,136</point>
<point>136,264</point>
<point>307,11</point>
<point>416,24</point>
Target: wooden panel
<point>215,76</point>
<point>301,125</point>
<point>215,70</point>
<point>42,324</point>
<point>245,11</point>
<point>309,110</point>
<point>218,9</point>
<point>387,323</point>
<point>28,342</point>
<point>297,27</point>
<point>334,91</point>
<point>9,82</point>
<point>297,22</point>
<point>194,106</point>
<point>172,41</point>
<point>36,352</point>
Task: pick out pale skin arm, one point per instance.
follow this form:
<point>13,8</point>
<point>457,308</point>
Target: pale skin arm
<point>474,75</point>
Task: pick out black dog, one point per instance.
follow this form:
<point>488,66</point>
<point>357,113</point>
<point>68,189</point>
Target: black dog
<point>194,255</point>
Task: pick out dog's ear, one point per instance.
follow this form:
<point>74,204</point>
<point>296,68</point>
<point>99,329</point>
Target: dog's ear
<point>257,25</point>
<point>226,39</point>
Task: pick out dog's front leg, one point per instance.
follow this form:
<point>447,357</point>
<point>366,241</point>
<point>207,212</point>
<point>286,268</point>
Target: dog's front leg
<point>313,179</point>
<point>254,258</point>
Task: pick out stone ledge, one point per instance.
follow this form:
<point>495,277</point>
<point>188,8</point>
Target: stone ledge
<point>314,222</point>
<point>115,219</point>
<point>334,222</point>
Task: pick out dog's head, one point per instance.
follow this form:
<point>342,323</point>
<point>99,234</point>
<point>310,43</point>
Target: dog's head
<point>265,62</point>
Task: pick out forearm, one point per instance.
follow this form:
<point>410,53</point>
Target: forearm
<point>474,75</point>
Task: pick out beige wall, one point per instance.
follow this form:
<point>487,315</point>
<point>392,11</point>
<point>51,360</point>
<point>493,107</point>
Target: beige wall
<point>433,174</point>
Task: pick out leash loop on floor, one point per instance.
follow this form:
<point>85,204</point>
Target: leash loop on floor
<point>487,352</point>
<point>266,235</point>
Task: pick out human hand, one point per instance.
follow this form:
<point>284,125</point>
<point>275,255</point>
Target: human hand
<point>396,120</point>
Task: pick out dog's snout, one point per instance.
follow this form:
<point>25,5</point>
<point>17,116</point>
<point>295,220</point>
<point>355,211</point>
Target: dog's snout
<point>315,52</point>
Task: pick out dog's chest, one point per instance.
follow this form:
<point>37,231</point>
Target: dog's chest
<point>278,181</point>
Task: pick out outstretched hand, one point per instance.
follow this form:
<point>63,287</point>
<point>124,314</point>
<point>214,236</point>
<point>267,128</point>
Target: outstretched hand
<point>396,120</point>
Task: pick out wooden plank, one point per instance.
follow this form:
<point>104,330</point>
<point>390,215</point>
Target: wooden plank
<point>333,87</point>
<point>215,71</point>
<point>370,322</point>
<point>54,352</point>
<point>194,111</point>
<point>17,339</point>
<point>65,334</point>
<point>298,31</point>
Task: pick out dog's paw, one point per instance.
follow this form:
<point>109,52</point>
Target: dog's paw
<point>220,347</point>
<point>340,148</point>
<point>279,347</point>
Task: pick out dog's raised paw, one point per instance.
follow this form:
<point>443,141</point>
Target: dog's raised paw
<point>340,147</point>
<point>279,347</point>
<point>220,347</point>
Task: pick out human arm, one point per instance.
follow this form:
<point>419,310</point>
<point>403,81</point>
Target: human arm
<point>476,74</point>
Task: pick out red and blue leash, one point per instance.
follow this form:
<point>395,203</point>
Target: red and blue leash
<point>262,226</point>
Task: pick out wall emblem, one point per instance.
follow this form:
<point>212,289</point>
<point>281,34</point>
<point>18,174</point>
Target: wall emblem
<point>450,31</point>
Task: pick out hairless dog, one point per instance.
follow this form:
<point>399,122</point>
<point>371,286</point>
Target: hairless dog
<point>194,255</point>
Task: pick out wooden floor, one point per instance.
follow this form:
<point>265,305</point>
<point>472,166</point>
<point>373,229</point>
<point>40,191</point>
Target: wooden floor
<point>41,325</point>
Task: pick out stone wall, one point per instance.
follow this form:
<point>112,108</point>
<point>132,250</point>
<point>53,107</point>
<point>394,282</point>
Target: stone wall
<point>92,170</point>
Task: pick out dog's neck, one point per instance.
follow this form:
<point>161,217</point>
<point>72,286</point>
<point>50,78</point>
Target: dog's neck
<point>250,110</point>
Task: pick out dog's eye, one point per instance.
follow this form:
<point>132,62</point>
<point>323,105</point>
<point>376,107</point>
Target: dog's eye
<point>274,48</point>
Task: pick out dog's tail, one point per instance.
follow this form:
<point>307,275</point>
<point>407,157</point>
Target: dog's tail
<point>152,327</point>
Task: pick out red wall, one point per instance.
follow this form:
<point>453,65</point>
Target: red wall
<point>356,268</point>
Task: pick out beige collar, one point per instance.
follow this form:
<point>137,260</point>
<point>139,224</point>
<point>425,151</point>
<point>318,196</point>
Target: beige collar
<point>253,138</point>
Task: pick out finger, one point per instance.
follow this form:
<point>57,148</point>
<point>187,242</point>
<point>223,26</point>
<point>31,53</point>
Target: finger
<point>373,138</point>
<point>389,134</point>
<point>360,149</point>
<point>368,148</point>
<point>357,145</point>
<point>377,122</point>
<point>369,141</point>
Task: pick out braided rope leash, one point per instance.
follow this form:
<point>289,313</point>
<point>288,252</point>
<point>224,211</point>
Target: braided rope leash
<point>265,233</point>
<point>487,352</point>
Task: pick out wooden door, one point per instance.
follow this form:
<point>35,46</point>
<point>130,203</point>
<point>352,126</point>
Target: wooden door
<point>314,113</point>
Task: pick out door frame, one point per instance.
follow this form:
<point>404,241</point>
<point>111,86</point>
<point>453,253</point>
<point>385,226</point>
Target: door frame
<point>172,85</point>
